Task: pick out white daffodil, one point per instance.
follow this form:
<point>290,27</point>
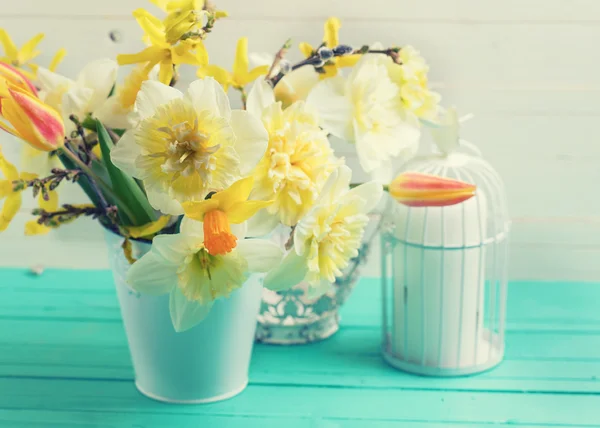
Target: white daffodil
<point>328,236</point>
<point>116,111</point>
<point>298,159</point>
<point>180,265</point>
<point>366,109</point>
<point>82,96</point>
<point>187,145</point>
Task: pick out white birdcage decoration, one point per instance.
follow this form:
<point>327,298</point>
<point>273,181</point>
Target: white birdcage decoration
<point>444,269</point>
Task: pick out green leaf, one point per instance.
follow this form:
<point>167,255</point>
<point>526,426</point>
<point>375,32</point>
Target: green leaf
<point>83,181</point>
<point>125,187</point>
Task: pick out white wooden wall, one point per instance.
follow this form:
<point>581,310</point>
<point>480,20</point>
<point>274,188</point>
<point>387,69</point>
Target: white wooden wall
<point>528,69</point>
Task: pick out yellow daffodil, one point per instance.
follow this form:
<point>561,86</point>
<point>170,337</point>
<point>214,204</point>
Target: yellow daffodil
<point>331,39</point>
<point>410,75</point>
<point>32,227</point>
<point>116,110</point>
<point>366,109</point>
<point>297,161</point>
<point>416,189</point>
<point>26,117</point>
<point>22,57</point>
<point>185,146</point>
<point>12,198</point>
<point>241,75</point>
<point>181,265</point>
<point>230,206</point>
<point>161,51</point>
<point>328,236</point>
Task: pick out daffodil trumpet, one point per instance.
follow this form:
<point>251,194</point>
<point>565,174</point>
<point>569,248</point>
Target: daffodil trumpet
<point>424,190</point>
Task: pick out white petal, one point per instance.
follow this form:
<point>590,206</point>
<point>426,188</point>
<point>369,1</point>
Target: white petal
<point>192,227</point>
<point>154,94</point>
<point>369,193</point>
<point>385,172</point>
<point>299,82</point>
<point>251,139</point>
<point>185,313</point>
<point>335,109</point>
<point>163,202</point>
<point>152,275</point>
<point>100,76</point>
<point>49,80</point>
<point>207,94</point>
<point>76,101</point>
<point>290,272</point>
<point>262,223</point>
<point>369,150</point>
<point>112,114</point>
<point>261,255</point>
<point>239,230</point>
<point>125,152</point>
<point>261,95</point>
<point>172,249</point>
<point>337,183</point>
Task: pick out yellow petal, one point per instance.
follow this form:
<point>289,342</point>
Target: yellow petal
<point>240,64</point>
<point>165,75</point>
<point>183,53</point>
<point>255,73</point>
<point>28,52</point>
<point>51,204</point>
<point>58,57</point>
<point>152,54</point>
<point>347,60</point>
<point>201,54</point>
<point>332,28</point>
<point>11,206</point>
<point>9,171</point>
<point>9,47</point>
<point>153,28</point>
<point>221,14</point>
<point>242,211</point>
<point>237,192</point>
<point>149,228</point>
<point>330,71</point>
<point>196,209</point>
<point>219,73</point>
<point>32,227</point>
<point>306,49</point>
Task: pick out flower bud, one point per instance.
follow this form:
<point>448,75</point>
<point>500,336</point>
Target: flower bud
<point>342,50</point>
<point>325,53</point>
<point>423,190</point>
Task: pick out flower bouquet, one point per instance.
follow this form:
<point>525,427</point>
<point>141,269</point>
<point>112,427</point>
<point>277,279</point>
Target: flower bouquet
<point>203,204</point>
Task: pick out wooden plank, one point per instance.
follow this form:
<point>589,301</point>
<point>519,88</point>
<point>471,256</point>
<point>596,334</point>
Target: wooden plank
<point>320,404</point>
<point>34,418</point>
<point>445,45</point>
<point>401,10</point>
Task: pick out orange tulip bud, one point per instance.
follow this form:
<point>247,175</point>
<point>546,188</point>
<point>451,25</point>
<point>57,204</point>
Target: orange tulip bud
<point>31,120</point>
<point>423,190</point>
<point>14,77</point>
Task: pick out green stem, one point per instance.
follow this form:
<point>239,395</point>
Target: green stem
<point>386,188</point>
<point>92,176</point>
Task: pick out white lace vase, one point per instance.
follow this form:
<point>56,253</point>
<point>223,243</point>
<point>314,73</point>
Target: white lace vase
<point>291,317</point>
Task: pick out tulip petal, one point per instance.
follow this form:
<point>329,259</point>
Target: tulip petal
<point>43,121</point>
<point>425,190</point>
<point>17,78</point>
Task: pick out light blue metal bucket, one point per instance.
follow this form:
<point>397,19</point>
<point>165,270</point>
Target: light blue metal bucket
<point>204,364</point>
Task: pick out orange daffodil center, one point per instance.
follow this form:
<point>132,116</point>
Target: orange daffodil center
<point>229,206</point>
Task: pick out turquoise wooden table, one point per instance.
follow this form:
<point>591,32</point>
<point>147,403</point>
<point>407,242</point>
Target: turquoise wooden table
<point>64,363</point>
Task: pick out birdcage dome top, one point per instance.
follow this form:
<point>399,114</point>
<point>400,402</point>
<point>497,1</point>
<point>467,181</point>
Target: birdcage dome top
<point>478,221</point>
